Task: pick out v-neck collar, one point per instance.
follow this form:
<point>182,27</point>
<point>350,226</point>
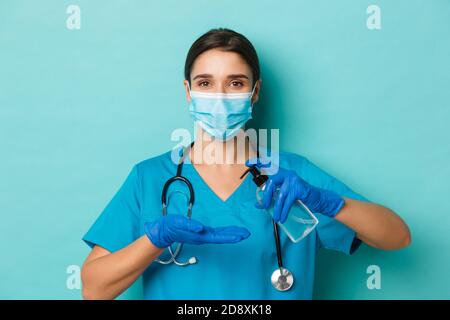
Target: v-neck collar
<point>242,188</point>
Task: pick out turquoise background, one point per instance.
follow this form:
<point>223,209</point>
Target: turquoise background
<point>79,107</point>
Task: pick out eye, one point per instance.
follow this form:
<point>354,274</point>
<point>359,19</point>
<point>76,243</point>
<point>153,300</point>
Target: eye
<point>237,84</point>
<point>203,84</point>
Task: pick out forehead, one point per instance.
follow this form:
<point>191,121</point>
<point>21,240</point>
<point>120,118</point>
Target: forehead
<point>220,63</point>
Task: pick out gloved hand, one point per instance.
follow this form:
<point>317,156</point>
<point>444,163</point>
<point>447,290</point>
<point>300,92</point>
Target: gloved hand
<point>292,187</point>
<point>178,228</point>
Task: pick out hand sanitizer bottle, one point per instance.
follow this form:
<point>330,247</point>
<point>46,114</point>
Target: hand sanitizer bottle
<point>300,220</point>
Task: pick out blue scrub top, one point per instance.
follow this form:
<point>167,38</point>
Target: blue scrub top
<point>223,271</point>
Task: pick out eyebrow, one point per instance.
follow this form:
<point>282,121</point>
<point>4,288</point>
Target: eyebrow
<point>230,76</point>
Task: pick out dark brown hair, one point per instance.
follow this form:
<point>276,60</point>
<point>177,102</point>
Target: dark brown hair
<point>226,40</point>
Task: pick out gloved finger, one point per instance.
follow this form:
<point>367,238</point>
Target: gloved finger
<point>189,237</point>
<point>290,199</point>
<point>184,223</point>
<point>279,201</point>
<point>258,162</point>
<point>268,194</point>
<point>218,236</point>
<point>211,235</point>
<point>232,230</point>
<point>251,162</point>
<point>279,177</point>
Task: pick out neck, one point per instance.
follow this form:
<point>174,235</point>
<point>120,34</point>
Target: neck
<point>215,152</point>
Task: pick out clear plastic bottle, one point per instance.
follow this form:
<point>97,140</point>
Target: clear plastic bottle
<point>300,220</point>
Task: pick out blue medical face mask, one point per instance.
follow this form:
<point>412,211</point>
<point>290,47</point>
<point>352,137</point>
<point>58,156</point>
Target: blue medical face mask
<point>221,115</point>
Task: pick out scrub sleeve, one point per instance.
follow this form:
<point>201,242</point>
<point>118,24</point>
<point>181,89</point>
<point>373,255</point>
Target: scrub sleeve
<point>331,233</point>
<point>118,224</point>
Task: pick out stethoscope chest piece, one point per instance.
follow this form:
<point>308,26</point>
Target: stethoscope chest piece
<point>282,279</point>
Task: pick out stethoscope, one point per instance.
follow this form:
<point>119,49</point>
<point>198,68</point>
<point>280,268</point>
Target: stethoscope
<point>178,177</point>
<point>282,279</point>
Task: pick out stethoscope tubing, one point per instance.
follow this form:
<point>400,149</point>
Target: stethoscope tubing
<point>178,177</point>
<point>284,273</point>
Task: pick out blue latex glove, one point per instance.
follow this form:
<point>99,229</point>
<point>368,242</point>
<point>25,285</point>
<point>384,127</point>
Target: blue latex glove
<point>292,187</point>
<point>178,228</point>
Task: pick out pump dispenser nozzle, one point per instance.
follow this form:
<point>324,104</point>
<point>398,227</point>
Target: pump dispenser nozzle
<point>300,221</point>
<point>258,178</point>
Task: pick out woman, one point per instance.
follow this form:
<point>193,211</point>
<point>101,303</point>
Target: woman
<point>231,238</point>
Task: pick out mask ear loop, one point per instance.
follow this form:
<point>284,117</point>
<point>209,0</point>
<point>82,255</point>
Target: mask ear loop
<point>253,91</point>
<point>189,89</point>
<point>195,121</point>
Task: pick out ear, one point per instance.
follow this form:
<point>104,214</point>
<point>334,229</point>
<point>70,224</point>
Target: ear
<point>186,89</point>
<point>256,92</point>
